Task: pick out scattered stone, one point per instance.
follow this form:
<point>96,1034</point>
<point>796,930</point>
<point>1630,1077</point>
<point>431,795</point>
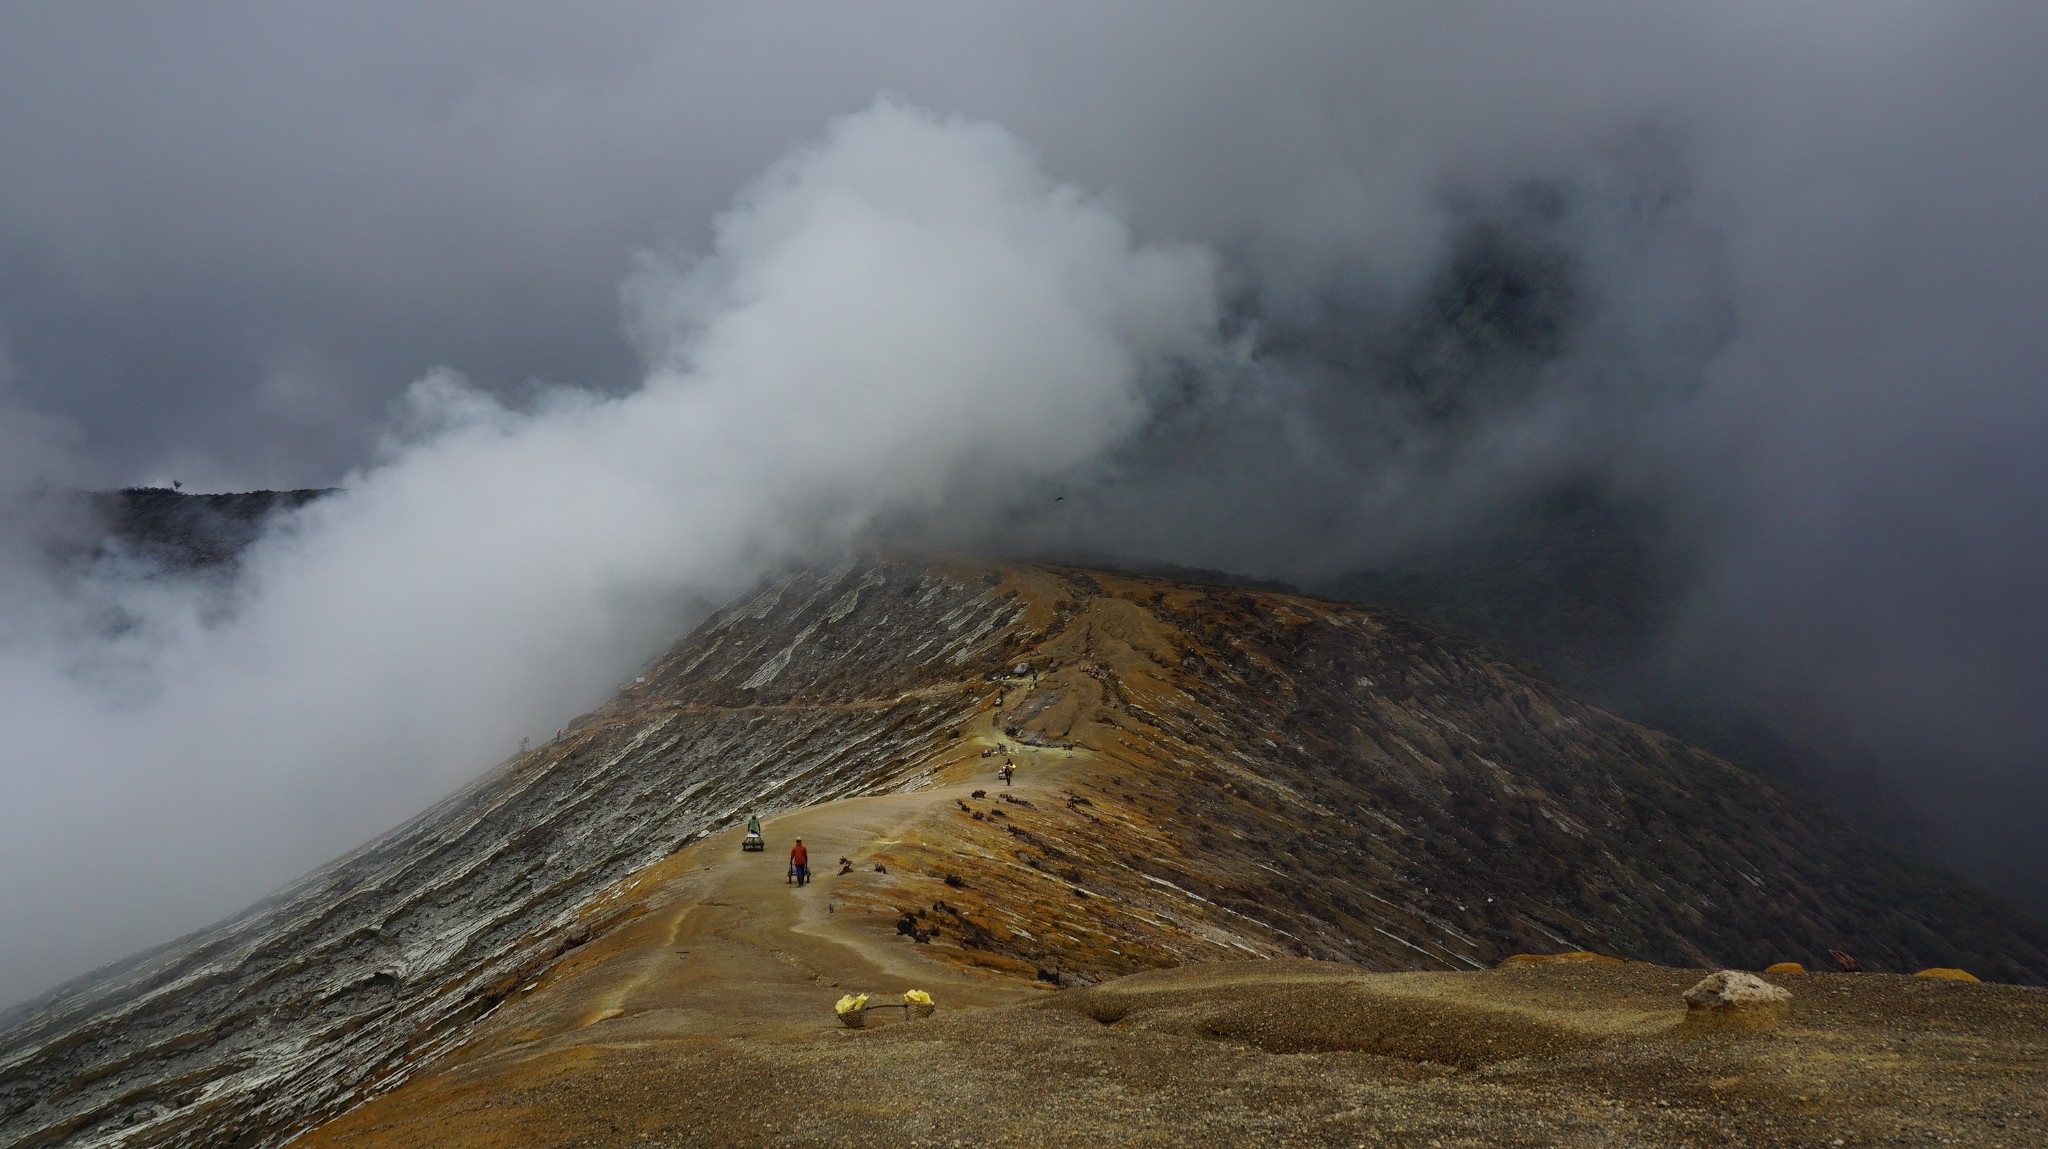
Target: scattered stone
<point>1784,967</point>
<point>955,881</point>
<point>979,794</point>
<point>1947,973</point>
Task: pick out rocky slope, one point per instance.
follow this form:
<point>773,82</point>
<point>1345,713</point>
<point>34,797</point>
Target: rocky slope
<point>1590,589</point>
<point>1208,774</point>
<point>1369,790</point>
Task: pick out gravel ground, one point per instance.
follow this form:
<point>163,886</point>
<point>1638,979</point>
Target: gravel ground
<point>1299,1054</point>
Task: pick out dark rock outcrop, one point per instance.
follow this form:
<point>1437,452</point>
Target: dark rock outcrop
<point>186,532</point>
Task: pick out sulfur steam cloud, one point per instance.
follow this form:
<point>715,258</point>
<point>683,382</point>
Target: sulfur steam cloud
<point>905,306</point>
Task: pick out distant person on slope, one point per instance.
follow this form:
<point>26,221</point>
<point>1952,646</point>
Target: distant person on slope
<point>754,825</point>
<point>800,862</point>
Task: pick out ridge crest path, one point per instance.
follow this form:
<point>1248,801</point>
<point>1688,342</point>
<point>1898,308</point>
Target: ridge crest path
<point>727,947</point>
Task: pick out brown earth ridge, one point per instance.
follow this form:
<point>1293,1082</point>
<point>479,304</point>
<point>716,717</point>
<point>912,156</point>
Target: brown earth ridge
<point>1206,775</point>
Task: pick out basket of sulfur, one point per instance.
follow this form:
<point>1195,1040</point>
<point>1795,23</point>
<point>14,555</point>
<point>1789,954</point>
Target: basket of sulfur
<point>917,1003</point>
<point>852,1010</point>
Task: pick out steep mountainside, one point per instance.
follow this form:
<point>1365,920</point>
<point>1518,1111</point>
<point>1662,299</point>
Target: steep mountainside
<point>1220,775</point>
<point>1587,588</point>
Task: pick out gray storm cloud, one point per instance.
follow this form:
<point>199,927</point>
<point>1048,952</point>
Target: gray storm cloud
<point>904,305</point>
<point>1774,269</point>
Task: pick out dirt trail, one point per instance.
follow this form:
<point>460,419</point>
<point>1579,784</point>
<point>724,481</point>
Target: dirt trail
<point>728,947</point>
<point>717,945</point>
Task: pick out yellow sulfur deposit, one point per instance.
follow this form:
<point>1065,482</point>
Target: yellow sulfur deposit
<point>916,997</point>
<point>851,1002</point>
<point>1947,974</point>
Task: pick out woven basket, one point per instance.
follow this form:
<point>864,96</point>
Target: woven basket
<point>919,1010</point>
<point>854,1019</point>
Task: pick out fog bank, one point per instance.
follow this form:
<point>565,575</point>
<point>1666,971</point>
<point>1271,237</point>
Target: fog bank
<point>904,306</point>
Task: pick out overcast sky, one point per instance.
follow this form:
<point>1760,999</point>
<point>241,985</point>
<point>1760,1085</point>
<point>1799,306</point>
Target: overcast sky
<point>1794,254</point>
<point>230,233</point>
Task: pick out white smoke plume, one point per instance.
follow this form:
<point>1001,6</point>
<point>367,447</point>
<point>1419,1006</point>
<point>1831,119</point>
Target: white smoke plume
<point>906,307</point>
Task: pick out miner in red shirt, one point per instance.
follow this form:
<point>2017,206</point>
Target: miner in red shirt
<point>800,862</point>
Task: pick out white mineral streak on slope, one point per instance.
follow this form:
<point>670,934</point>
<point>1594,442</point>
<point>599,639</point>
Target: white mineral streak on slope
<point>690,665</point>
<point>759,607</point>
<point>851,599</point>
<point>1406,942</point>
<point>773,666</point>
<point>1205,901</point>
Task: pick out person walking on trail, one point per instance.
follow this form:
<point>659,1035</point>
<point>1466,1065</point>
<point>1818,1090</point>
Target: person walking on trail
<point>800,862</point>
<point>1008,769</point>
<point>754,825</point>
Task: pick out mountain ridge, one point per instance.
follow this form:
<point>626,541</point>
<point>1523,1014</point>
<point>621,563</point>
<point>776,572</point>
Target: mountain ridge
<point>1242,775</point>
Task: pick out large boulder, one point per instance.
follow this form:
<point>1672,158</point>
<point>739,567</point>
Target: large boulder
<point>1735,999</point>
